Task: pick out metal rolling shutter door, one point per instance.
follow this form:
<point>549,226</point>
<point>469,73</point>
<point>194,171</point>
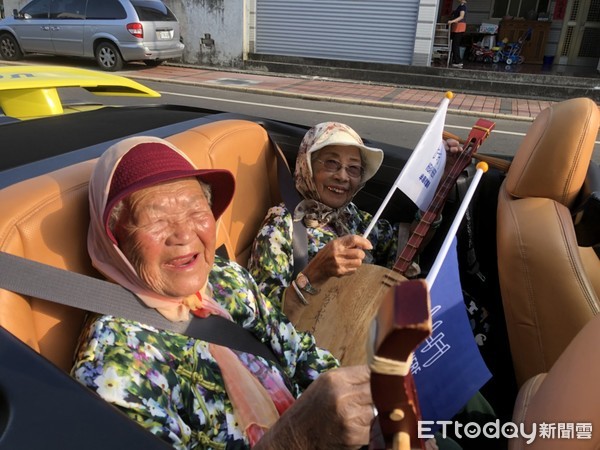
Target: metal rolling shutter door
<point>351,30</point>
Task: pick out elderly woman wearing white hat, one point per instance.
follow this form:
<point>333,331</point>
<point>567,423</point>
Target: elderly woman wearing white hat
<point>332,165</point>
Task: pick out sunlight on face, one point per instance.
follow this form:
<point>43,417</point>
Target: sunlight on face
<point>336,188</point>
<point>168,233</point>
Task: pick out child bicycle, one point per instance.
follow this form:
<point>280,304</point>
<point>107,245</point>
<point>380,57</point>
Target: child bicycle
<point>510,53</point>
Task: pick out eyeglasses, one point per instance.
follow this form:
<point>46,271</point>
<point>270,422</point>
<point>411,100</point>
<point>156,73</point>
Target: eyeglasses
<point>331,165</point>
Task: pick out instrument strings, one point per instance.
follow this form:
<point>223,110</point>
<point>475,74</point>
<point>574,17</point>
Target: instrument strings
<point>416,238</point>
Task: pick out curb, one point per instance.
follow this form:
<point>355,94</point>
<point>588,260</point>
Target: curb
<point>334,99</point>
<point>304,96</point>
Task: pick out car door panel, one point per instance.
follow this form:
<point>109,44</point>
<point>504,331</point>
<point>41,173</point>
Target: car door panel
<point>67,36</point>
<point>66,26</point>
<point>33,28</point>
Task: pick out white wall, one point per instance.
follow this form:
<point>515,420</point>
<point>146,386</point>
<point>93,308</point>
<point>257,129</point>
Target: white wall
<point>9,5</point>
<point>223,20</point>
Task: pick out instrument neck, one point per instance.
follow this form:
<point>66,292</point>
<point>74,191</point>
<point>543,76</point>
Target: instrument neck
<point>418,234</point>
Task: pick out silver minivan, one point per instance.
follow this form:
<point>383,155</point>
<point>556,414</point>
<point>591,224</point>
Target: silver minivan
<point>111,31</point>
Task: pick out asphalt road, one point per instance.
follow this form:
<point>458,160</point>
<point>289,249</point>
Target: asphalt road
<point>394,126</point>
<point>403,127</point>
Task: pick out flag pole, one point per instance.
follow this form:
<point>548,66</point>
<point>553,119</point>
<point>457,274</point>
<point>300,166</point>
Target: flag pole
<point>482,167</point>
<point>379,211</point>
<point>432,139</point>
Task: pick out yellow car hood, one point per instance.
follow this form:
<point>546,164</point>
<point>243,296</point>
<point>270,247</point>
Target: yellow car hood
<point>31,91</point>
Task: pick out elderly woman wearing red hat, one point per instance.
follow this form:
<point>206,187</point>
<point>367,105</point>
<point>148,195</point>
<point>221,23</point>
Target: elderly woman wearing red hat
<point>332,165</point>
<point>153,230</point>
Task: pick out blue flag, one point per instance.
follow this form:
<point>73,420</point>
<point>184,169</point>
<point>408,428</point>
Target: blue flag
<point>447,366</point>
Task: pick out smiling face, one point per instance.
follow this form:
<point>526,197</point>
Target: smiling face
<point>336,189</point>
<point>168,233</point>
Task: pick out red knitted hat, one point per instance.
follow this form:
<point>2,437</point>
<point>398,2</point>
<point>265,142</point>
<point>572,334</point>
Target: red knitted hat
<point>151,163</point>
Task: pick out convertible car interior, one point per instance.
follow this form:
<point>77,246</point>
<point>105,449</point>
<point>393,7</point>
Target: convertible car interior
<point>42,212</point>
<point>550,285</point>
<point>538,279</point>
<point>550,281</point>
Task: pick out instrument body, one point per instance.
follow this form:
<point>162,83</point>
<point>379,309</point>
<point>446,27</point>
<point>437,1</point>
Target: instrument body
<point>340,315</point>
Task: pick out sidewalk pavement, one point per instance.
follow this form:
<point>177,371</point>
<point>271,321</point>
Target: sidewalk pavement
<point>342,91</point>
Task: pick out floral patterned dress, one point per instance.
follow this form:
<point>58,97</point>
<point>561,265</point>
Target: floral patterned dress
<point>170,383</point>
<point>271,262</point>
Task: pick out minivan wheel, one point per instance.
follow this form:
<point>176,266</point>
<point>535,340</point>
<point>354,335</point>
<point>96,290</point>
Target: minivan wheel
<point>108,57</point>
<point>9,48</point>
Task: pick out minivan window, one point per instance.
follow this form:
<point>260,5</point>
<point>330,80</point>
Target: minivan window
<point>56,7</point>
<point>67,9</point>
<point>37,9</point>
<point>105,9</point>
<point>148,11</point>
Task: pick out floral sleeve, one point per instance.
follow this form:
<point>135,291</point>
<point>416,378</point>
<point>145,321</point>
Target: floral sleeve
<point>139,370</point>
<point>271,259</point>
<point>298,353</point>
<point>170,383</point>
<point>384,236</point>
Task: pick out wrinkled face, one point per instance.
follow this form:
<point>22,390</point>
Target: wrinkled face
<point>336,187</point>
<point>168,233</point>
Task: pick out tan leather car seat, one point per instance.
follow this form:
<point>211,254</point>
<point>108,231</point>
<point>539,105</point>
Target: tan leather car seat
<point>549,284</point>
<point>46,219</point>
<point>569,395</point>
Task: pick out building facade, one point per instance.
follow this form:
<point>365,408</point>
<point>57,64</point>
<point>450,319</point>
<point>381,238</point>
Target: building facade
<point>225,32</point>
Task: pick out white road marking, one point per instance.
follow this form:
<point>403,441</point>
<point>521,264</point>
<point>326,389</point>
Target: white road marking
<point>361,116</point>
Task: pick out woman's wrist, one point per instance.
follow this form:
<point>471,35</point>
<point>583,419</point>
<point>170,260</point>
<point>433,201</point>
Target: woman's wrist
<point>299,293</point>
<point>308,273</point>
<point>292,307</point>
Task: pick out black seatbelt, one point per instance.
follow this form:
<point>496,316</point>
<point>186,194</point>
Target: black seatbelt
<point>291,198</point>
<point>46,282</point>
<point>462,184</point>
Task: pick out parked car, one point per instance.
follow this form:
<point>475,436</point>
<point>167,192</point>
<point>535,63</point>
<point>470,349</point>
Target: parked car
<point>111,31</point>
<point>503,245</point>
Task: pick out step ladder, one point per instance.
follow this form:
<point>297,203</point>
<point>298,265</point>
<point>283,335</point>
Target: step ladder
<point>442,43</point>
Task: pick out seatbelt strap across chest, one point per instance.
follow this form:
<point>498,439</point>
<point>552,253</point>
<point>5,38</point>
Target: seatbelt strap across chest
<point>46,282</point>
<point>291,198</point>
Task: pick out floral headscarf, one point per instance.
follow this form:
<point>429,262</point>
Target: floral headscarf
<point>106,255</point>
<point>311,210</point>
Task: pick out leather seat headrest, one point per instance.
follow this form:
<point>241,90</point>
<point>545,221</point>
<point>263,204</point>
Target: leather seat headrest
<point>554,156</point>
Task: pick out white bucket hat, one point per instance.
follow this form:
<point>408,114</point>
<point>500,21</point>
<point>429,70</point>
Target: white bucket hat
<point>335,133</point>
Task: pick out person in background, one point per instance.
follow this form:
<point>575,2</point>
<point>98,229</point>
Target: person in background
<point>332,165</point>
<point>153,231</point>
<point>458,27</point>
